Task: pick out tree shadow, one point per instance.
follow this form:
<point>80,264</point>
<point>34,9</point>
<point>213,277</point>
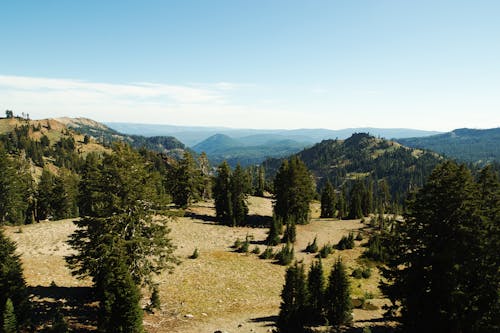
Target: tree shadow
<point>270,320</point>
<point>76,304</point>
<point>205,218</point>
<point>258,221</point>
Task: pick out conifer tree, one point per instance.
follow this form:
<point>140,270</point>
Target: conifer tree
<point>12,284</point>
<point>328,201</point>
<point>356,200</point>
<point>261,182</point>
<point>9,318</point>
<point>444,266</point>
<point>186,181</point>
<point>290,234</point>
<point>292,317</point>
<point>316,294</point>
<point>239,188</point>
<point>119,298</point>
<point>222,194</point>
<point>337,298</point>
<point>294,190</point>
<point>122,197</point>
<point>275,230</point>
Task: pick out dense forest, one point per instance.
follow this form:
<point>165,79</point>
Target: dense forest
<point>466,145</point>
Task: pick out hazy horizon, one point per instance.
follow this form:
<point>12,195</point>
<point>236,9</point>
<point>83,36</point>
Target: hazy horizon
<point>431,65</point>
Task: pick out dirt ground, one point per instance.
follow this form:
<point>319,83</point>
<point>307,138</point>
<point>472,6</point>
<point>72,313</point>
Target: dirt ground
<point>221,289</point>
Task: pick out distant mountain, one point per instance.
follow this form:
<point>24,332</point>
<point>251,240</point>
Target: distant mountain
<point>247,150</point>
<point>468,145</point>
<point>194,135</point>
<point>363,156</point>
<point>163,144</point>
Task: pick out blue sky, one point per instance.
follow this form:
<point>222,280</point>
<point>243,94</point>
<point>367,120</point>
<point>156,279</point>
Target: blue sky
<point>261,64</point>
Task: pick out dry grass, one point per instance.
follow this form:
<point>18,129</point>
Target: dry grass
<point>220,290</point>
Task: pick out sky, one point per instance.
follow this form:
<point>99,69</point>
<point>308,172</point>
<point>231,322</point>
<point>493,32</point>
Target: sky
<point>426,64</point>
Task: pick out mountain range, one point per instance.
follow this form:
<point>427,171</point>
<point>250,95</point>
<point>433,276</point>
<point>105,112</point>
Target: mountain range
<point>192,136</point>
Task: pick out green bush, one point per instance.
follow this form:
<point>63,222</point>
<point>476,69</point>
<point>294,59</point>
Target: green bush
<point>347,242</point>
<point>195,254</point>
<point>312,247</point>
<point>325,251</point>
<point>267,254</point>
<point>256,250</point>
<point>285,255</point>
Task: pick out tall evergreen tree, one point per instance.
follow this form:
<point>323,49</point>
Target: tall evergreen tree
<point>239,188</point>
<point>294,191</point>
<point>222,194</point>
<point>15,188</point>
<point>292,315</point>
<point>12,284</point>
<point>443,270</point>
<point>186,181</point>
<point>261,182</point>
<point>356,200</point>
<point>337,298</point>
<point>316,294</point>
<point>122,197</point>
<point>275,230</point>
<point>328,201</point>
<point>119,298</point>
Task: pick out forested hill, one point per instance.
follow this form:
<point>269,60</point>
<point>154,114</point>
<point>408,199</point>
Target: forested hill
<point>467,145</point>
<point>364,157</point>
<point>161,144</point>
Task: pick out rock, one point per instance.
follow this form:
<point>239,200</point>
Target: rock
<point>188,316</point>
<point>204,314</point>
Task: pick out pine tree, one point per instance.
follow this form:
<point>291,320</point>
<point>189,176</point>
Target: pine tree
<point>12,284</point>
<point>338,300</point>
<point>15,188</point>
<point>9,318</point>
<point>155,301</point>
<point>444,267</point>
<point>356,200</point>
<point>316,292</point>
<point>222,194</point>
<point>328,201</point>
<point>119,298</point>
<point>239,188</point>
<point>186,181</point>
<point>261,182</point>
<point>292,317</point>
<point>44,196</point>
<point>290,234</point>
<point>121,211</point>
<point>275,230</point>
<point>294,190</point>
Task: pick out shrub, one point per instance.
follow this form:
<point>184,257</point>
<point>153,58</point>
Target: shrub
<point>285,255</point>
<point>366,272</point>
<point>359,237</point>
<point>357,273</point>
<point>195,254</point>
<point>256,250</point>
<point>267,254</point>
<point>325,251</point>
<point>347,242</point>
<point>312,247</point>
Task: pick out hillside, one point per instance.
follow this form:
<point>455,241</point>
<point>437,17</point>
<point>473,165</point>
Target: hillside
<point>162,144</point>
<point>247,150</point>
<point>467,145</point>
<point>194,135</point>
<point>365,157</point>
